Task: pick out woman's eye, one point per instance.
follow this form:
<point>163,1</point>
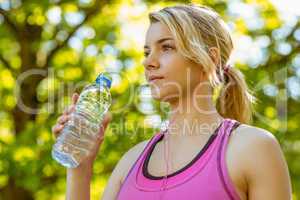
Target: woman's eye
<point>167,47</point>
<point>146,54</point>
<point>164,47</point>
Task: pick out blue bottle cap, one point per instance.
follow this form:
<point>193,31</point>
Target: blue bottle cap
<point>104,79</point>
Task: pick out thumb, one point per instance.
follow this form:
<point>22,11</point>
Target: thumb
<point>75,98</point>
<point>107,118</point>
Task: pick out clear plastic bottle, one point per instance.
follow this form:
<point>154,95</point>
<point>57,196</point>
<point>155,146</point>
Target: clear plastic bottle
<point>78,136</point>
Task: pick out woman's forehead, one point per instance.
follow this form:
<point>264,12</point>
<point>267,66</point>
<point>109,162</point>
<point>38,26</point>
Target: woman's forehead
<point>156,32</point>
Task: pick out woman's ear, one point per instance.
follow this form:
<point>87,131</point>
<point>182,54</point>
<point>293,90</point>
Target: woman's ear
<point>214,54</point>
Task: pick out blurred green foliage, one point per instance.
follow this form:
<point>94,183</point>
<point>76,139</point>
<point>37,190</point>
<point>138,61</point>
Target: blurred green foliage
<point>60,45</point>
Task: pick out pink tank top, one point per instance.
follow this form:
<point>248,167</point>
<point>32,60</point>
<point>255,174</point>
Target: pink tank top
<point>205,177</point>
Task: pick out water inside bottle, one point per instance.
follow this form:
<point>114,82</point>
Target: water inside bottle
<point>78,136</point>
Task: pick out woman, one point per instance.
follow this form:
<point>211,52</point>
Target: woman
<point>186,53</point>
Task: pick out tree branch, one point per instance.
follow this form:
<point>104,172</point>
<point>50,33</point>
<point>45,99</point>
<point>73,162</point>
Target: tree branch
<point>296,49</point>
<point>5,62</point>
<point>88,14</point>
<point>63,2</point>
<point>9,22</point>
<point>7,65</point>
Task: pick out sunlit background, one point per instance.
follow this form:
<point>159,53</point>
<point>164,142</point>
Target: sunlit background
<point>64,44</point>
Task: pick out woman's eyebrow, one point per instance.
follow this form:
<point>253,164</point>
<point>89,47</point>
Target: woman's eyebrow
<point>159,41</point>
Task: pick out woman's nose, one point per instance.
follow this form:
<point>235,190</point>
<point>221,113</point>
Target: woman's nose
<point>151,62</point>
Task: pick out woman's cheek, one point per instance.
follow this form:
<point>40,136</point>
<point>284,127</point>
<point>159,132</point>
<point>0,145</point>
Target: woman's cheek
<point>168,57</point>
<point>173,71</point>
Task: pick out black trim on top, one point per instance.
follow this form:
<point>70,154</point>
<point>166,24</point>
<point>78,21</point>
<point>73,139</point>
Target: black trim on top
<point>197,157</point>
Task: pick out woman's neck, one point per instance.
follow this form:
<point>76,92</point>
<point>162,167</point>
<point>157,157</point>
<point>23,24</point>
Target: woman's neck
<point>190,117</point>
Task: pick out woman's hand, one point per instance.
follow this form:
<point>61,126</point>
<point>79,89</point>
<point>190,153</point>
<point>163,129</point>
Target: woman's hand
<point>87,163</point>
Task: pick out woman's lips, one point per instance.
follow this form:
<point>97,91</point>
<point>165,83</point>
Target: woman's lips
<point>155,79</point>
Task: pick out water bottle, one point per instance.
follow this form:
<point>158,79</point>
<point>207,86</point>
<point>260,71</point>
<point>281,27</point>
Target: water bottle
<point>78,136</point>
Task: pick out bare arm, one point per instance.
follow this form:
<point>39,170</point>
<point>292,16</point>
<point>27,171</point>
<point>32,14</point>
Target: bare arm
<point>78,184</point>
<point>266,169</point>
<point>78,179</point>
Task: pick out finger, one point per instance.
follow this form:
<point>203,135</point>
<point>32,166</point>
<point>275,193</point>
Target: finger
<point>57,128</point>
<point>100,136</point>
<point>69,110</point>
<point>75,98</point>
<point>107,118</point>
<point>63,119</point>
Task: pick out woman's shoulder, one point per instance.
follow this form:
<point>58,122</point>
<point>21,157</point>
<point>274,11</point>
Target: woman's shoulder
<point>251,153</point>
<point>257,154</point>
<point>254,149</point>
<point>250,140</point>
<point>249,135</point>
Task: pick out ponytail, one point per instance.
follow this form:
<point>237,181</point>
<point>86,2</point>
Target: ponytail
<point>235,100</point>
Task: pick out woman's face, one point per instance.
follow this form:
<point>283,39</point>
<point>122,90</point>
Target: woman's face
<point>162,59</point>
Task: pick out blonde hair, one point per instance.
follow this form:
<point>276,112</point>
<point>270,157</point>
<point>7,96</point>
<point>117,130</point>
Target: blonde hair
<point>196,29</point>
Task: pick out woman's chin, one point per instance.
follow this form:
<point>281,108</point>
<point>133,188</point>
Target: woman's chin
<point>156,95</point>
<point>161,96</point>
